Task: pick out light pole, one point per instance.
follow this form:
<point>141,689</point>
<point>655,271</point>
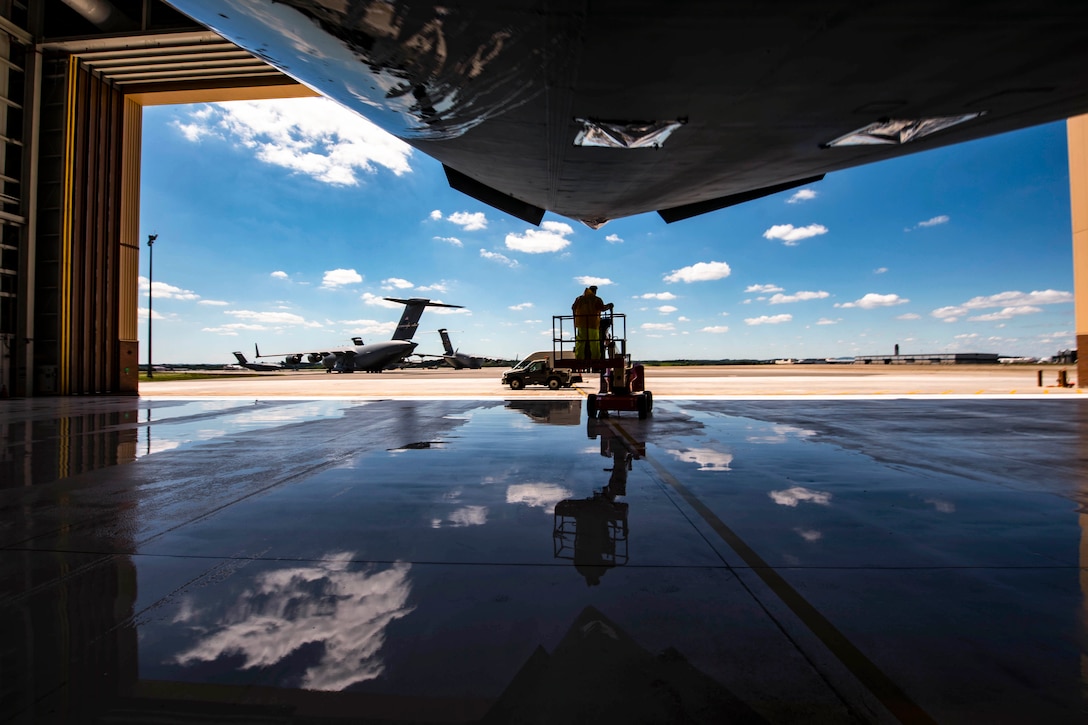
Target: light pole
<point>150,284</point>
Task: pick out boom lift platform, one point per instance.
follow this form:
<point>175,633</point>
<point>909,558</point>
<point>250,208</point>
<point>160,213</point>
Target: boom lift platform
<point>623,385</point>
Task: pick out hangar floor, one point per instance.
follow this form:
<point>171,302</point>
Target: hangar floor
<point>485,560</point>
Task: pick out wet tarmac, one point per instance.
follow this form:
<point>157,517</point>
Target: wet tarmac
<point>512,561</point>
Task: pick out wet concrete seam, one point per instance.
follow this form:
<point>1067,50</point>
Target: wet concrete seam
<point>897,702</point>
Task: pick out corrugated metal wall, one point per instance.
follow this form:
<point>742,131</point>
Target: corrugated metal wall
<point>80,252</point>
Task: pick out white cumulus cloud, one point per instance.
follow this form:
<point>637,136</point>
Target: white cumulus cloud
<point>311,136</point>
<point>781,299</point>
<point>551,237</point>
<point>700,272</point>
<point>768,319</point>
<point>663,296</point>
<point>470,222</point>
<point>1012,303</point>
<point>339,277</point>
<point>762,288</point>
<point>376,301</point>
<point>271,318</point>
<point>791,236</point>
<point>1006,313</point>
<point>163,291</point>
<point>497,257</point>
<point>873,300</point>
<point>801,195</point>
<point>586,281</point>
<point>715,329</point>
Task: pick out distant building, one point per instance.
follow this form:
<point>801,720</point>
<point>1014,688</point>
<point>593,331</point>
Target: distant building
<point>940,358</point>
<point>1065,357</point>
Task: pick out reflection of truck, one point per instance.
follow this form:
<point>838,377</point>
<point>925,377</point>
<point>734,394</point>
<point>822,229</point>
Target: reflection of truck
<point>539,369</point>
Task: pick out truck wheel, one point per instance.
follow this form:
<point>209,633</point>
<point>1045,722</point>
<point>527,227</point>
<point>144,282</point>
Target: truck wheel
<point>591,405</point>
<point>649,402</point>
<point>553,384</point>
<point>643,407</point>
<point>516,384</point>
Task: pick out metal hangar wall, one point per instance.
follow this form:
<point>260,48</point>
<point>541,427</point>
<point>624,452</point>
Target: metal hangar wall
<point>74,78</point>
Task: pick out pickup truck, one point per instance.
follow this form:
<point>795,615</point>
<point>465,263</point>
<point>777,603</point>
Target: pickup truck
<point>537,369</point>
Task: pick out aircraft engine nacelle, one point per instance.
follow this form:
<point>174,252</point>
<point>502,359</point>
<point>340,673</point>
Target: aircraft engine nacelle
<point>329,361</point>
<point>314,357</point>
<point>293,359</point>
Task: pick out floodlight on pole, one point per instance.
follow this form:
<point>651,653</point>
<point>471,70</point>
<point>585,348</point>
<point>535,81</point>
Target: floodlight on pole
<point>150,286</point>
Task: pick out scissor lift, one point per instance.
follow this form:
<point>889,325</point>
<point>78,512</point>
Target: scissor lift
<point>623,385</point>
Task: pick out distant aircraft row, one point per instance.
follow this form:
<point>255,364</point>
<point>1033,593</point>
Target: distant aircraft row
<point>373,357</point>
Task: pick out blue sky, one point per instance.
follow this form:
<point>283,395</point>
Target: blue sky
<point>284,223</point>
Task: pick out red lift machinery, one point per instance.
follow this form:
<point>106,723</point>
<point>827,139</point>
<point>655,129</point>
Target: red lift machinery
<point>623,385</point>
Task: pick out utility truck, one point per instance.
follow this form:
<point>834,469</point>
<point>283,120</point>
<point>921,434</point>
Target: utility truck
<point>539,369</point>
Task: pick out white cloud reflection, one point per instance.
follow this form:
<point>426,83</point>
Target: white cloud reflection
<point>346,610</point>
<point>537,495</point>
<point>793,496</point>
<point>707,458</point>
<point>464,516</point>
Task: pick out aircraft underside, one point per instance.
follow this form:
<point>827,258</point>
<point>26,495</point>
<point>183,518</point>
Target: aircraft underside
<point>603,110</point>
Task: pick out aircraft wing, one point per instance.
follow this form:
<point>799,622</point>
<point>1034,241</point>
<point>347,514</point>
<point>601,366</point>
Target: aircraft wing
<point>314,356</point>
<point>603,110</point>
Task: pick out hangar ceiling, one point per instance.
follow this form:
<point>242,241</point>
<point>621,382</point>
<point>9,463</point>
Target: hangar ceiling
<point>146,47</point>
<point>172,61</point>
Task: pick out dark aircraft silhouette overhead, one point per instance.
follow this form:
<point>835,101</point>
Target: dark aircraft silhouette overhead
<point>603,110</point>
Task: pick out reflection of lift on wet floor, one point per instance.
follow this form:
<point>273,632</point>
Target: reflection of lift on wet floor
<point>623,385</point>
<point>592,532</point>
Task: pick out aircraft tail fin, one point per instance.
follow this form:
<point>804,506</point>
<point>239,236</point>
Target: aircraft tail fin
<point>413,309</point>
<point>446,344</point>
<point>241,358</point>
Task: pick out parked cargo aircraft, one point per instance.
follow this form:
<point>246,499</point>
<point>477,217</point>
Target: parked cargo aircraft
<point>290,362</point>
<point>376,356</point>
<point>602,110</point>
<point>456,359</point>
<point>258,366</point>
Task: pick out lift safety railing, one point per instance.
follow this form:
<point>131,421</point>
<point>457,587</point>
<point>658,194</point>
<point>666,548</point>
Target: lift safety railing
<point>612,338</point>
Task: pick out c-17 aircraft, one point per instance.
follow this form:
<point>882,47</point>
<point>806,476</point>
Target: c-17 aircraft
<point>290,362</point>
<point>456,359</point>
<point>257,366</point>
<point>376,356</point>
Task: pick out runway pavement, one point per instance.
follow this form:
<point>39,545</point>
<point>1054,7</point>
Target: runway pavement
<point>665,382</point>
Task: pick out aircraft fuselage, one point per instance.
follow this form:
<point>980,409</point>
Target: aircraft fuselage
<point>375,357</point>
